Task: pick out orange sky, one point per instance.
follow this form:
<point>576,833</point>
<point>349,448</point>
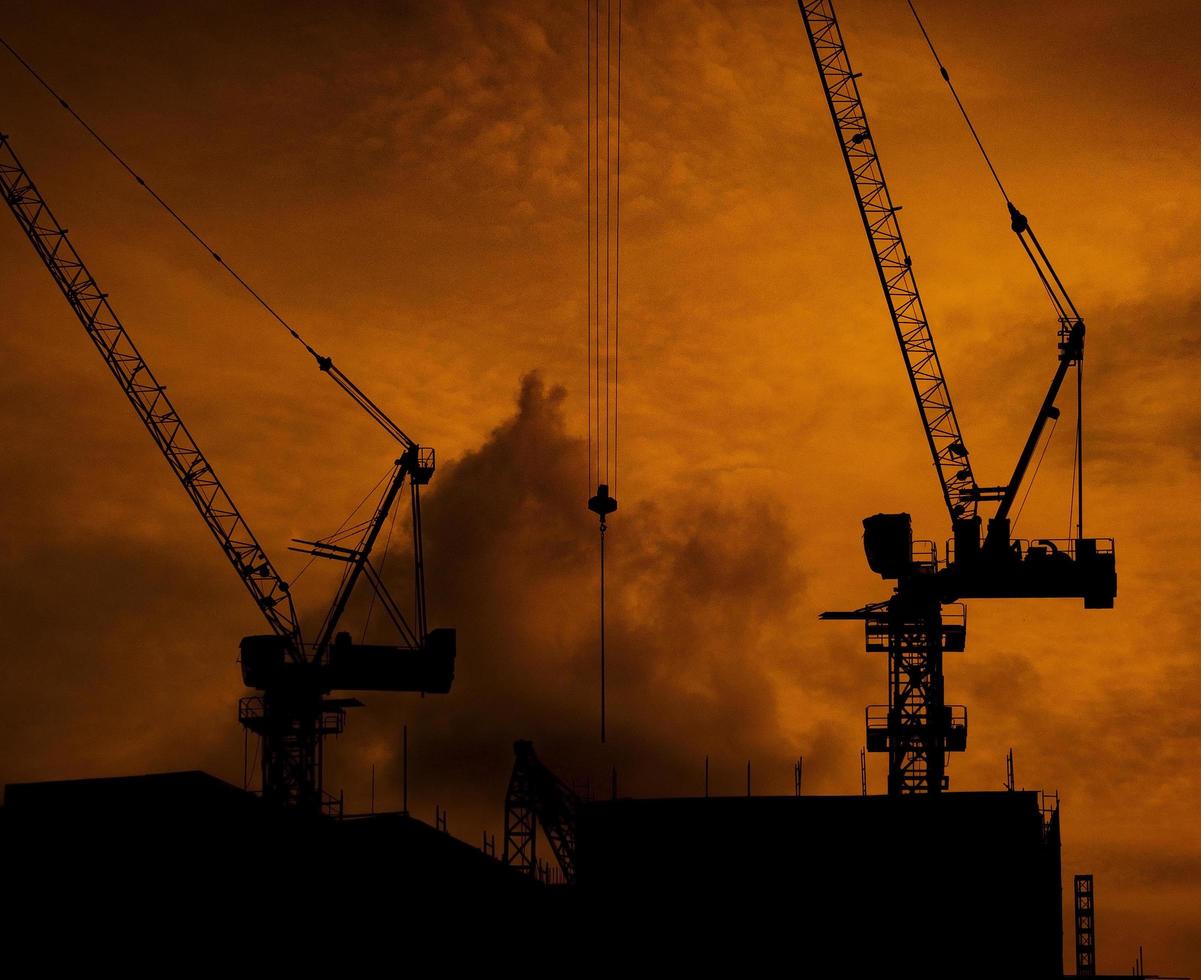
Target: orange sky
<point>406,185</point>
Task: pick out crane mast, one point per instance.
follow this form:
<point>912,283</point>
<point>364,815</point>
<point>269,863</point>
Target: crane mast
<point>293,713</point>
<point>924,619</point>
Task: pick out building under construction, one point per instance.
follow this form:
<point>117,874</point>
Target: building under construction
<point>772,875</point>
<point>967,884</point>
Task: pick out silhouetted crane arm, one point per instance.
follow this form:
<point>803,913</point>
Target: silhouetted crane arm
<point>149,399</point>
<point>893,263</point>
<point>357,395</point>
<point>416,466</point>
<point>1071,324</point>
<point>535,789</point>
<point>1071,352</point>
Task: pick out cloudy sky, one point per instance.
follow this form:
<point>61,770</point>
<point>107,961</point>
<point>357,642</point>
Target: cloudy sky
<point>405,182</point>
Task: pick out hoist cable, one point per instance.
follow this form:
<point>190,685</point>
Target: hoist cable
<point>588,232</point>
<point>342,529</point>
<point>1023,228</point>
<point>1034,475</point>
<point>602,630</point>
<point>1055,303</point>
<point>1054,274</point>
<point>617,263</point>
<point>966,118</point>
<point>608,194</point>
<point>380,574</point>
<point>325,363</point>
<point>1078,471</point>
<point>603,265</point>
<point>389,476</point>
<point>154,194</point>
<point>596,145</point>
<point>1060,299</point>
<point>1072,492</point>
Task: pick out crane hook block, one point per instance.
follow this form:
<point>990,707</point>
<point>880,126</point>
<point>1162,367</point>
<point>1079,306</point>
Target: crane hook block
<point>602,504</point>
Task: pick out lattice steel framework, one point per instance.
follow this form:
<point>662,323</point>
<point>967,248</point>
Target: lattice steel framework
<point>293,725</point>
<point>537,796</point>
<point>148,398</point>
<point>1086,934</point>
<point>521,826</point>
<point>893,263</point>
<point>916,728</point>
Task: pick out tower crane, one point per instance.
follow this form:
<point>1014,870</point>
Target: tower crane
<point>293,710</point>
<point>924,617</point>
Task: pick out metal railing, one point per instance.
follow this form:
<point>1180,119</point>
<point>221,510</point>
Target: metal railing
<point>1050,548</point>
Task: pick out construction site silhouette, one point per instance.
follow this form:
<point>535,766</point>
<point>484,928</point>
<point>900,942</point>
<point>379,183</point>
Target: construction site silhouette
<point>920,880</point>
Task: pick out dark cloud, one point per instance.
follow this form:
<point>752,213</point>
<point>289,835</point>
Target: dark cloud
<point>699,593</point>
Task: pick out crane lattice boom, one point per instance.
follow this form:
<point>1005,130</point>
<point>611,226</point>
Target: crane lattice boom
<point>149,399</point>
<point>892,260</point>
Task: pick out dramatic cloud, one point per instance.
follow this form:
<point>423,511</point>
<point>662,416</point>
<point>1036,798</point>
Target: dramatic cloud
<point>701,596</point>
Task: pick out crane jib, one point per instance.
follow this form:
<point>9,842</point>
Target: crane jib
<point>893,263</point>
<point>149,399</point>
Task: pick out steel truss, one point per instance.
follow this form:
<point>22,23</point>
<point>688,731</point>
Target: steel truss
<point>917,728</point>
<point>893,263</point>
<point>537,796</point>
<point>148,398</point>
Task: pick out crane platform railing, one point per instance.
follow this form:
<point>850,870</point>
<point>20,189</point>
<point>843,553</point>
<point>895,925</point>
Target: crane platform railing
<point>883,721</point>
<point>1036,549</point>
<point>924,555</point>
<point>878,628</point>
